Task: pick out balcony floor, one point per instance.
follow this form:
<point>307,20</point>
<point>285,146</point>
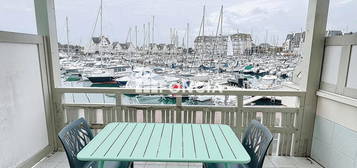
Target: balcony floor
<point>59,160</point>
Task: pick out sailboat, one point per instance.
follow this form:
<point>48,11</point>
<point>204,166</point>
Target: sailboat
<point>229,46</point>
<point>101,76</point>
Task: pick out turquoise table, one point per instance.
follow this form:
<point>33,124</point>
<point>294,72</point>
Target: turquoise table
<point>157,142</point>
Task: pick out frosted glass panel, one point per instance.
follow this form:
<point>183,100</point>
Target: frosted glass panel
<point>22,111</point>
<point>331,64</point>
<point>352,71</point>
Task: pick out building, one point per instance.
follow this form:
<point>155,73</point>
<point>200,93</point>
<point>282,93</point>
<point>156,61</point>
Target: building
<point>219,45</point>
<point>208,45</point>
<point>240,43</point>
<point>330,33</point>
<point>98,44</point>
<point>293,43</point>
<point>123,48</point>
<point>154,48</point>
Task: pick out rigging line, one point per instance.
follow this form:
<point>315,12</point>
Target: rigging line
<point>199,33</point>
<point>96,22</point>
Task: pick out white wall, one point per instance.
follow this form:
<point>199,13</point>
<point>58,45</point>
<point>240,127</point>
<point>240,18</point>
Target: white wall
<point>352,69</point>
<point>23,131</point>
<point>331,64</point>
<point>340,113</point>
<point>335,134</point>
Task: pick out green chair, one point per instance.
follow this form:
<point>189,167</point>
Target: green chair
<point>74,137</point>
<point>256,141</point>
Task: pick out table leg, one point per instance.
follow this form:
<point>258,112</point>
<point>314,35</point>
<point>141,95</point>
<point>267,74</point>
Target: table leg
<point>101,164</point>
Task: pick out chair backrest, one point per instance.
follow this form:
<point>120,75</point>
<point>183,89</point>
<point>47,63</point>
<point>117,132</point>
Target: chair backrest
<point>74,138</point>
<point>256,140</point>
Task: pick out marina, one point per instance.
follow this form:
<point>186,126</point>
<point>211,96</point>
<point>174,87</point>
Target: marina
<point>215,62</point>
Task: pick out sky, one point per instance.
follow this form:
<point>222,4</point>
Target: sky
<point>267,20</point>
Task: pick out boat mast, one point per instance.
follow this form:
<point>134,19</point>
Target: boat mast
<point>221,34</point>
<point>148,34</point>
<point>67,36</point>
<point>187,35</point>
<point>144,35</point>
<point>101,33</point>
<point>153,29</point>
<point>136,36</point>
<point>101,18</point>
<point>221,40</point>
<point>203,28</point>
<point>128,36</point>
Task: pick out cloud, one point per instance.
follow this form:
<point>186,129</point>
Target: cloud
<point>343,2</point>
<point>249,12</point>
<point>277,17</point>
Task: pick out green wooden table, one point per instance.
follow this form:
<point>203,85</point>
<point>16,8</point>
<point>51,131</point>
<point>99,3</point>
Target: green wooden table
<point>157,142</point>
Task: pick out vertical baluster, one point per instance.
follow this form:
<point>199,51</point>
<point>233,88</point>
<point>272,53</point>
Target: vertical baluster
<point>209,113</point>
<point>168,115</point>
<point>252,116</point>
<point>239,123</point>
<point>231,119</point>
<point>284,124</point>
<point>163,118</point>
<point>131,114</point>
<point>194,113</point>
<point>148,115</point>
<point>172,115</point>
<point>153,116</point>
<point>244,118</point>
<point>71,114</point>
<point>204,113</point>
<point>213,116</point>
<point>289,126</point>
<point>281,140</point>
<point>135,115</point>
<point>125,114</point>
<point>145,116</point>
<point>185,116</point>
<point>119,114</point>
<point>189,113</point>
<point>178,116</point>
<point>227,117</point>
<point>179,108</point>
<point>109,115</point>
<point>90,115</point>
<point>299,116</point>
<point>269,124</point>
<point>223,117</point>
<point>151,111</point>
<point>118,108</point>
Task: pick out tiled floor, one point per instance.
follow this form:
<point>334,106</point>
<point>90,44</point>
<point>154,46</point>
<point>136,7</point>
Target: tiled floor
<point>59,160</point>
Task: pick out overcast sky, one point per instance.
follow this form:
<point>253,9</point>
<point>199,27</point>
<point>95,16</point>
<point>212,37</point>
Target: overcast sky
<point>274,18</point>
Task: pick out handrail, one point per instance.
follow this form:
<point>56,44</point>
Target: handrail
<point>245,92</point>
<point>236,116</point>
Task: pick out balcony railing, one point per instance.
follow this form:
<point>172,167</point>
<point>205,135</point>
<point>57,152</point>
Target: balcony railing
<point>283,120</point>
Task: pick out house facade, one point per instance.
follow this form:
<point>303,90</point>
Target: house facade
<point>98,44</point>
<point>218,45</point>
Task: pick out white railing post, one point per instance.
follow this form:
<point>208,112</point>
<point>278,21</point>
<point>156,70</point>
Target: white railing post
<point>118,107</point>
<point>178,108</point>
<point>59,116</point>
<point>239,123</point>
<point>313,59</point>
